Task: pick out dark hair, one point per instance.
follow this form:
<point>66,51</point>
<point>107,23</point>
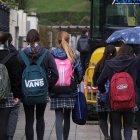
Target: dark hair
<point>3,37</point>
<point>9,38</point>
<point>136,48</point>
<point>109,53</point>
<point>84,31</point>
<point>32,37</point>
<point>126,50</point>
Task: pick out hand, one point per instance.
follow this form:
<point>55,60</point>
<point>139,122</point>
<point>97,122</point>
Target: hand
<point>95,89</point>
<point>16,101</point>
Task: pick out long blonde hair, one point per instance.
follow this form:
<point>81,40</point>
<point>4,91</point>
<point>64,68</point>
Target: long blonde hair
<point>63,40</point>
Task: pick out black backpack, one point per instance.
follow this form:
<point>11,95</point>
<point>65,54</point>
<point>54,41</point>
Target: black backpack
<point>83,45</point>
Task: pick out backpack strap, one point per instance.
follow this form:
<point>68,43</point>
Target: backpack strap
<point>40,59</point>
<point>6,58</point>
<point>24,57</point>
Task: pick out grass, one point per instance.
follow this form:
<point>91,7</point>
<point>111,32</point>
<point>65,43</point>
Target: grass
<point>46,6</point>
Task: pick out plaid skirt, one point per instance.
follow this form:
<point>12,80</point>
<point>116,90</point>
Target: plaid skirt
<point>62,103</point>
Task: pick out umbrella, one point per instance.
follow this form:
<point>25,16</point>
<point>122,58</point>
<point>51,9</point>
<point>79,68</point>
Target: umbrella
<point>129,36</point>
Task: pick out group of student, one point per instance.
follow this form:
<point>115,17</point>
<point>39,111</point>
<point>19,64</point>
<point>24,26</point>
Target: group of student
<point>62,103</point>
<point>126,60</point>
<point>62,100</point>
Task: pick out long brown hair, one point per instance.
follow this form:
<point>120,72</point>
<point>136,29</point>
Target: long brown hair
<point>109,53</point>
<point>63,40</point>
<point>126,50</point>
<point>32,37</point>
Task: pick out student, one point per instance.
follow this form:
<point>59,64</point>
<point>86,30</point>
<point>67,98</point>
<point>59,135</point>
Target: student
<point>137,113</point>
<point>63,99</point>
<point>124,61</point>
<point>14,71</point>
<point>84,49</point>
<point>9,43</point>
<point>13,116</point>
<point>103,100</point>
<point>33,52</point>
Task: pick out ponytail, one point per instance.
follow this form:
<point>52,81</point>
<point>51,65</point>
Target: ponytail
<point>64,37</point>
<point>33,48</point>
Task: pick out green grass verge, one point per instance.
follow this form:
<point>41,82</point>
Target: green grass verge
<point>45,6</point>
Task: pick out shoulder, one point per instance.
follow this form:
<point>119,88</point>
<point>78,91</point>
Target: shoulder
<point>13,61</point>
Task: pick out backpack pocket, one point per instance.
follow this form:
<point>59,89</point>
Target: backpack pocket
<point>67,90</point>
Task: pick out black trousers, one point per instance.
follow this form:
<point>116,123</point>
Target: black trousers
<point>137,116</point>
<point>103,117</point>
<point>84,58</point>
<point>117,124</point>
<point>29,118</point>
<point>4,116</point>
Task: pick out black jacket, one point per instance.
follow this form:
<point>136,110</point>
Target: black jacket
<point>14,71</point>
<point>95,77</point>
<point>118,64</point>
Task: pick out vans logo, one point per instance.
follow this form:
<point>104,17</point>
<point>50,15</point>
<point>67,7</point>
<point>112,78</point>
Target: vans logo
<point>122,86</point>
<point>34,83</point>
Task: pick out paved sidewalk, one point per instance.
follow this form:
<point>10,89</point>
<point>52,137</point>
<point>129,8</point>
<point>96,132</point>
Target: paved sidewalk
<point>89,131</point>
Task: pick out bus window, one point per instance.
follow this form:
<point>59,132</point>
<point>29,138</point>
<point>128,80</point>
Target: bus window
<point>107,16</point>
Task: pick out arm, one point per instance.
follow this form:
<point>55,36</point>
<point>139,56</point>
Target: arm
<point>138,71</point>
<point>78,45</point>
<point>102,79</point>
<point>96,75</point>
<point>78,73</point>
<point>15,75</point>
<point>53,73</point>
<point>95,78</point>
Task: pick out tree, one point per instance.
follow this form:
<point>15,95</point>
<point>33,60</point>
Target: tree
<point>21,4</point>
<point>85,21</point>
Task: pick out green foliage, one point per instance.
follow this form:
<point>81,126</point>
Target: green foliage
<point>65,23</point>
<point>57,12</point>
<point>9,3</point>
<point>58,18</point>
<point>43,6</point>
<point>85,21</point>
<point>22,4</point>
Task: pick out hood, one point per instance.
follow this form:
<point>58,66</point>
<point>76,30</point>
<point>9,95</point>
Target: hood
<point>59,53</point>
<point>39,51</point>
<point>120,63</point>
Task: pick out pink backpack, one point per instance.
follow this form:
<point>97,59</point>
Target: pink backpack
<point>65,70</point>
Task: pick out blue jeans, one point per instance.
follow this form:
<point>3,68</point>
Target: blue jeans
<point>119,120</point>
